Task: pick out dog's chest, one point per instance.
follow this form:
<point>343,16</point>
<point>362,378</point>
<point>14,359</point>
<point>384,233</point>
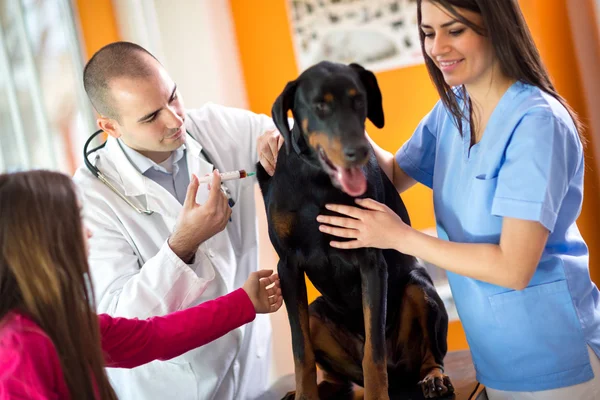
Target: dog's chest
<point>292,214</point>
<point>292,210</point>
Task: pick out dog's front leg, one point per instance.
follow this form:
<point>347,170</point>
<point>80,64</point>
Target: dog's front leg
<point>293,289</point>
<point>374,298</point>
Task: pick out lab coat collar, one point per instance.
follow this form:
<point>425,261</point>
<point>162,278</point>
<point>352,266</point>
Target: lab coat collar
<point>157,199</point>
<point>131,179</point>
<point>143,163</point>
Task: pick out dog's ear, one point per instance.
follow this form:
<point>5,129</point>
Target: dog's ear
<point>279,113</point>
<point>374,100</point>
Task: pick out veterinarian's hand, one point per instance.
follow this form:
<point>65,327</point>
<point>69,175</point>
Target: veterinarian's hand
<point>263,289</point>
<point>267,146</point>
<point>197,223</point>
<point>374,225</point>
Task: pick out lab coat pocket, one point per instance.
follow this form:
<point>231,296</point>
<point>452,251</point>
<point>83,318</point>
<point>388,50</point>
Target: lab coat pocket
<point>153,380</point>
<point>479,223</point>
<point>541,334</point>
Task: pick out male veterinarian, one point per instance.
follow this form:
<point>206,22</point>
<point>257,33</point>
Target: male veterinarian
<point>179,253</point>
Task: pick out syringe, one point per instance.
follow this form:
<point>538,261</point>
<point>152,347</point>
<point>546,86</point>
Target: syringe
<point>227,176</point>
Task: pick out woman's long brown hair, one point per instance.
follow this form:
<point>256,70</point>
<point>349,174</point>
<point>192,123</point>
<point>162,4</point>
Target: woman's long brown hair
<point>518,57</point>
<point>44,273</point>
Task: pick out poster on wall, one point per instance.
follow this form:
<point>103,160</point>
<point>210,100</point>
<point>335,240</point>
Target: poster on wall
<point>378,34</point>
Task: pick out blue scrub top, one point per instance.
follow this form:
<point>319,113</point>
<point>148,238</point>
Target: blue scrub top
<point>529,165</point>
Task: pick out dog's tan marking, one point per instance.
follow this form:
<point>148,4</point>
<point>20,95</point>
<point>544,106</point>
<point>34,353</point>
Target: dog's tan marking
<point>341,353</point>
<point>375,373</point>
<point>328,97</point>
<point>332,147</point>
<point>305,125</point>
<point>352,92</point>
<point>306,369</point>
<point>282,223</point>
<point>338,345</point>
<point>414,308</point>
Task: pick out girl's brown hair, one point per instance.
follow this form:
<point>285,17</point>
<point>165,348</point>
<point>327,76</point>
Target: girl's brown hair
<point>518,57</point>
<point>44,273</point>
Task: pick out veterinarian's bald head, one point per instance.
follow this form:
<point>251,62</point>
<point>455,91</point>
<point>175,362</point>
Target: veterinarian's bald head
<point>116,60</point>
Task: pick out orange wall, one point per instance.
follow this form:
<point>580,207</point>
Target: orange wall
<point>98,24</point>
<point>549,23</point>
<point>268,62</point>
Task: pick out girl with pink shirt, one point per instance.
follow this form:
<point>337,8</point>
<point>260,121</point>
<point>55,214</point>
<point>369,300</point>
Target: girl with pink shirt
<point>52,344</point>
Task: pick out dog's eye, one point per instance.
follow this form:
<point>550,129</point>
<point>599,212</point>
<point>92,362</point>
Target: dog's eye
<point>321,108</point>
<point>359,104</point>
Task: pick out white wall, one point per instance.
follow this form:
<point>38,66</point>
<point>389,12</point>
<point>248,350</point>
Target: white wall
<point>195,41</point>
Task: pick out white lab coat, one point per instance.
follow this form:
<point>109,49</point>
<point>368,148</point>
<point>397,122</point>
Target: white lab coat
<point>136,274</point>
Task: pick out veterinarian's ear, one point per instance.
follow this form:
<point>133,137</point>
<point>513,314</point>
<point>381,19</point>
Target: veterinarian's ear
<point>374,100</point>
<point>279,113</point>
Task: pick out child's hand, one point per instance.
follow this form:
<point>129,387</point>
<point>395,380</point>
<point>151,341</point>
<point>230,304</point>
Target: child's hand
<point>263,289</point>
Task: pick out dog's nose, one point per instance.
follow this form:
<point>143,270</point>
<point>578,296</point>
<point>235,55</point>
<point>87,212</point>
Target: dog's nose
<point>355,153</point>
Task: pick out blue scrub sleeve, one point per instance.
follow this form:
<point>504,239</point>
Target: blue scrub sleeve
<point>417,156</point>
<point>540,161</point>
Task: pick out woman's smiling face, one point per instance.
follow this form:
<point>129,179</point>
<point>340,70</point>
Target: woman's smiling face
<point>462,55</point>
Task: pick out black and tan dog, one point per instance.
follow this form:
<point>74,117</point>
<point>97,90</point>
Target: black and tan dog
<point>379,322</point>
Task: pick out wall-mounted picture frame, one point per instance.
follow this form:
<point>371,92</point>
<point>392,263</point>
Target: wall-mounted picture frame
<point>378,34</point>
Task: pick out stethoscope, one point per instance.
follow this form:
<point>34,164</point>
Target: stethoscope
<point>98,174</point>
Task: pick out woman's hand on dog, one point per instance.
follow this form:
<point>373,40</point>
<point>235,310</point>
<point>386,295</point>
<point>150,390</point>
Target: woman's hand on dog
<point>267,147</point>
<point>373,225</point>
<point>262,287</point>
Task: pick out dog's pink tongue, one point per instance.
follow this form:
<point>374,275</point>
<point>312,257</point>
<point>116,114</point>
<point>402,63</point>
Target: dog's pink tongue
<point>353,181</point>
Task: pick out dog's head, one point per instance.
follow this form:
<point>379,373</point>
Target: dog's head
<point>330,103</point>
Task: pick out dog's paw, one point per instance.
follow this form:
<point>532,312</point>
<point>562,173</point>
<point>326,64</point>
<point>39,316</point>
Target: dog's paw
<point>436,385</point>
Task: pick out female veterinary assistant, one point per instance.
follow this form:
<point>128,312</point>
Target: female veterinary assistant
<point>502,153</point>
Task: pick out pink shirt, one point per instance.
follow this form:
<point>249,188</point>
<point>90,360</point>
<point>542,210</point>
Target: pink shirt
<point>30,367</point>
